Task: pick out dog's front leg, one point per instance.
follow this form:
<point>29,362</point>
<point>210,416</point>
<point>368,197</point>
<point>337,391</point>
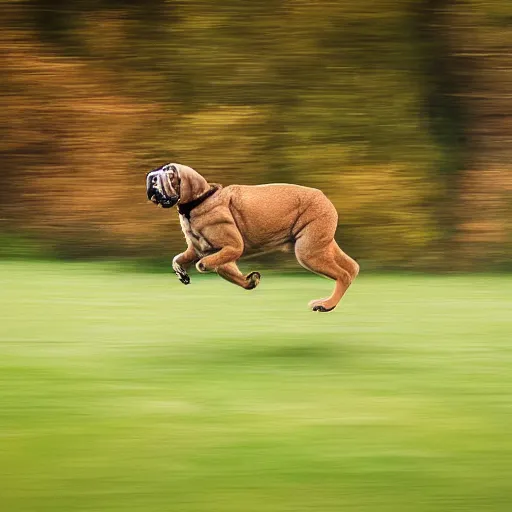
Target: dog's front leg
<point>228,239</point>
<point>181,262</point>
<point>226,255</point>
<point>230,272</point>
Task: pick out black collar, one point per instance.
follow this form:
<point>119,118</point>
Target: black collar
<point>186,208</point>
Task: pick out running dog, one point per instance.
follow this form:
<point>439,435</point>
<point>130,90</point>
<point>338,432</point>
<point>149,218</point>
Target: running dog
<point>222,224</point>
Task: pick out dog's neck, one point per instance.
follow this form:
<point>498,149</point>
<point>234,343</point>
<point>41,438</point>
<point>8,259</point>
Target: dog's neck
<point>185,208</point>
<point>192,185</point>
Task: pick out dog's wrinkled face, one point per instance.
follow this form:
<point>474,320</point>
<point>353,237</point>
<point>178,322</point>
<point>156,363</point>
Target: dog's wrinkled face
<point>163,184</point>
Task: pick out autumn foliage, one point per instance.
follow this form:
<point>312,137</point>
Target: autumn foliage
<point>399,110</point>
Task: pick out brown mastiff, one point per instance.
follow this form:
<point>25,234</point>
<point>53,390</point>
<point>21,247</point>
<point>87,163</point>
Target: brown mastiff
<point>223,224</point>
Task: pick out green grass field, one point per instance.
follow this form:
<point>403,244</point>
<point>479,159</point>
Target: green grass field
<point>124,391</point>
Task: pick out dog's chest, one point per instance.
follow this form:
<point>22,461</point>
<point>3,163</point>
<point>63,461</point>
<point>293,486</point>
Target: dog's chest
<point>199,242</point>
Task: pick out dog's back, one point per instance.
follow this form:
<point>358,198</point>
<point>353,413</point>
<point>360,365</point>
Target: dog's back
<point>274,214</point>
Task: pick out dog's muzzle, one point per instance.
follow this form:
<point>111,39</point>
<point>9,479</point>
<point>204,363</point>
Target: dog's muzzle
<point>156,190</point>
<point>157,197</point>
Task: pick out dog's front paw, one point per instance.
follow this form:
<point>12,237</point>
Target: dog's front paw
<point>182,275</point>
<point>253,279</point>
<point>184,278</point>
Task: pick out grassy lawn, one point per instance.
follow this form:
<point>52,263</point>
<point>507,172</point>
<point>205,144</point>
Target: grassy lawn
<point>124,391</point>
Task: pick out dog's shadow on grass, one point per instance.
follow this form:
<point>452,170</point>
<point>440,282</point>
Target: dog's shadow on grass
<point>297,352</point>
<point>284,352</point>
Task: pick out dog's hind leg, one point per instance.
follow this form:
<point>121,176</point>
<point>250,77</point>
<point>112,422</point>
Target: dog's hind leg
<point>330,261</point>
<point>230,272</point>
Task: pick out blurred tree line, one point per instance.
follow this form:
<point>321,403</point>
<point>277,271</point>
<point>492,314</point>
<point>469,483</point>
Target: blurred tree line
<point>400,110</point>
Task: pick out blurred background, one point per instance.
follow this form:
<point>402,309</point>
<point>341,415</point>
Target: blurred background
<point>122,390</point>
<point>399,110</point>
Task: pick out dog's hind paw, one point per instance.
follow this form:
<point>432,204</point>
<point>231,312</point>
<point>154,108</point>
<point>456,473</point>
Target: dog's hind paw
<point>320,305</point>
<point>322,309</point>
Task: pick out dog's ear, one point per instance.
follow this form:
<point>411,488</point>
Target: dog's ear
<point>192,184</point>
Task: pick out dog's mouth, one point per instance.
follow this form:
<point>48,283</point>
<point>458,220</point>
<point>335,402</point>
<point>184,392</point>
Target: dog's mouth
<point>156,191</point>
<point>159,198</point>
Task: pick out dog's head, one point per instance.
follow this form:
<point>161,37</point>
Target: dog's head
<point>163,185</point>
